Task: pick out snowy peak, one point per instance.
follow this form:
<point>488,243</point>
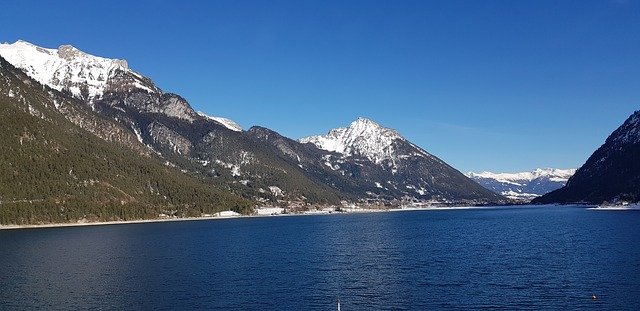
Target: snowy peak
<point>523,186</point>
<point>67,68</point>
<point>553,174</point>
<point>362,137</point>
<point>230,124</point>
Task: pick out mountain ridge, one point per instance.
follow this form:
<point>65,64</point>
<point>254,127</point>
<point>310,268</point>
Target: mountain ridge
<point>523,186</point>
<point>362,137</point>
<point>394,164</point>
<point>610,174</point>
<point>377,164</point>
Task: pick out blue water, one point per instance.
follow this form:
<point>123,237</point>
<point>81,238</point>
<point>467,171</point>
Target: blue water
<point>506,258</point>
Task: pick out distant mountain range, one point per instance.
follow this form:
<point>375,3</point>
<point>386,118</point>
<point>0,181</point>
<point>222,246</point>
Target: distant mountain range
<point>523,186</point>
<point>611,174</point>
<point>105,102</point>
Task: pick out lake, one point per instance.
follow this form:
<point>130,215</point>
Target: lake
<point>500,258</point>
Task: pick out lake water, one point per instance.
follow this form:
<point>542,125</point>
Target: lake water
<point>504,258</point>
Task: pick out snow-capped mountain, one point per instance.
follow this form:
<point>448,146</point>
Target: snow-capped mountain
<point>380,158</point>
<point>93,79</point>
<point>362,137</point>
<point>163,124</point>
<point>612,172</point>
<point>67,68</point>
<point>364,162</point>
<point>523,186</point>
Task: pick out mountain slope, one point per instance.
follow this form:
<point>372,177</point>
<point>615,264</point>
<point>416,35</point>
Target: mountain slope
<point>366,163</point>
<point>379,156</point>
<point>523,186</point>
<point>211,147</point>
<point>612,173</point>
<point>52,170</point>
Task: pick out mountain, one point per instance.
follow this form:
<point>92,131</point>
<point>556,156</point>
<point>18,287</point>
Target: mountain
<point>377,156</point>
<point>612,172</point>
<point>166,124</point>
<point>363,138</point>
<point>85,76</point>
<point>367,164</point>
<point>523,186</point>
<point>61,162</point>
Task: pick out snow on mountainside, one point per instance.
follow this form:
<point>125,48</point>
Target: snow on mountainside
<point>514,178</point>
<point>365,162</point>
<point>91,78</point>
<point>362,137</point>
<point>526,185</point>
<point>380,162</point>
<point>85,76</point>
<point>228,123</point>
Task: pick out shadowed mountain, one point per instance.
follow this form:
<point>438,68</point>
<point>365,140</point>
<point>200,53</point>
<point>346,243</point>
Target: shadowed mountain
<point>612,173</point>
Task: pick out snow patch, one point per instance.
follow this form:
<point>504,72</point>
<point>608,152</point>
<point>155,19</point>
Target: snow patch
<point>230,124</point>
<point>138,134</point>
<point>269,210</point>
<point>226,214</point>
<point>235,169</point>
<point>276,191</point>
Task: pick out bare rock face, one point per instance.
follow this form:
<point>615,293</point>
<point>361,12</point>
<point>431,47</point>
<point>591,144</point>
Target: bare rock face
<point>175,106</point>
<point>169,139</point>
<point>69,53</point>
<point>166,104</point>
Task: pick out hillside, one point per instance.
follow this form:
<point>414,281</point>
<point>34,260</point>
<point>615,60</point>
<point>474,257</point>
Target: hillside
<point>53,170</point>
<point>611,174</point>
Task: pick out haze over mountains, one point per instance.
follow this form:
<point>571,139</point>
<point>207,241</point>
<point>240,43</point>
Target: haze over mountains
<point>363,163</point>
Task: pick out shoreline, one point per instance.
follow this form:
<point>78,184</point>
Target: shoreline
<point>109,223</point>
<point>205,218</point>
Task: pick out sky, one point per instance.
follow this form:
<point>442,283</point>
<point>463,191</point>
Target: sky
<point>500,86</point>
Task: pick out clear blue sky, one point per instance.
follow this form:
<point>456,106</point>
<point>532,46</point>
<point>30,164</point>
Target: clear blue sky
<point>484,85</point>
